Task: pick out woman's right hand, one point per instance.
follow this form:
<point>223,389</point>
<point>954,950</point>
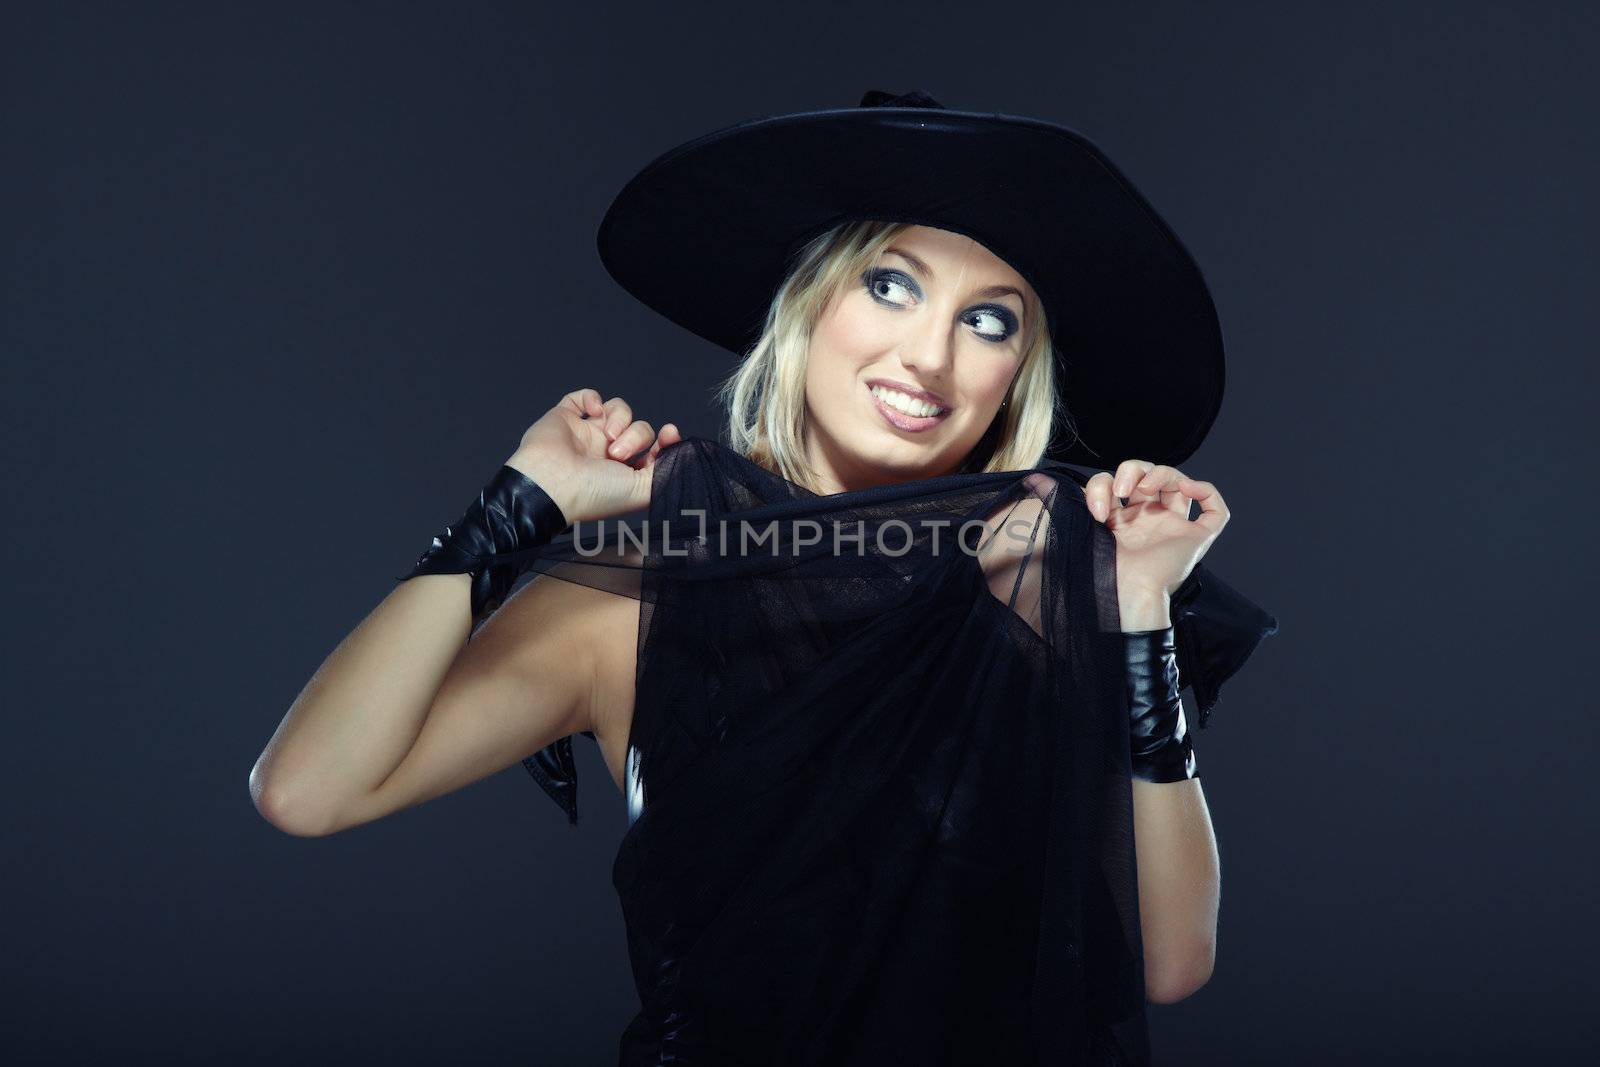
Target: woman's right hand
<point>594,459</point>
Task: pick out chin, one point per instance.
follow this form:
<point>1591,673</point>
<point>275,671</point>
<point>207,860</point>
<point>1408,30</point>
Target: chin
<point>909,458</point>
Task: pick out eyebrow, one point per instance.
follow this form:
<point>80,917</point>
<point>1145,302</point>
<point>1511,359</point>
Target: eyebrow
<point>993,290</point>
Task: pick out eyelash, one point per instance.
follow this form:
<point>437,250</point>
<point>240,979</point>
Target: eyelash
<point>871,278</point>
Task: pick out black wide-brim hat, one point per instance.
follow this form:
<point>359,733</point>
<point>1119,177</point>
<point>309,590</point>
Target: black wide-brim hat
<point>707,232</point>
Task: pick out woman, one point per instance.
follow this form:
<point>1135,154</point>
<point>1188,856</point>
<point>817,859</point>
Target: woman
<point>908,775</point>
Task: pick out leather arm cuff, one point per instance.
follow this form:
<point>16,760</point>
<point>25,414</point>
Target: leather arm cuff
<point>496,540</point>
<point>1162,748</point>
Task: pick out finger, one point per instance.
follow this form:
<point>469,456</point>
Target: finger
<point>1097,494</point>
<point>586,402</point>
<point>1129,471</point>
<point>669,435</point>
<point>1161,483</point>
<point>1213,509</point>
<point>635,436</point>
<point>618,416</point>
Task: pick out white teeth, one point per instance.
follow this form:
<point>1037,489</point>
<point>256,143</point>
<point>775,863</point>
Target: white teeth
<point>905,404</point>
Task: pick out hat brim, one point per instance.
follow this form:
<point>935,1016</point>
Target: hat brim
<point>705,233</point>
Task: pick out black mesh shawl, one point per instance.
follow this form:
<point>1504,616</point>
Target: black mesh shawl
<point>887,811</point>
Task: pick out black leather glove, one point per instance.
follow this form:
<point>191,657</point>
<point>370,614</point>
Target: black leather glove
<point>497,540</point>
<point>1162,748</point>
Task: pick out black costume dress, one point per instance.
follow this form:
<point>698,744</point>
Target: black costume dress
<point>880,805</point>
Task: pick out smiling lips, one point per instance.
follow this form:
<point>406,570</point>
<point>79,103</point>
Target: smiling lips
<point>905,412</point>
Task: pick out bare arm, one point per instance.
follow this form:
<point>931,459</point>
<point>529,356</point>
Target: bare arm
<point>1179,887</point>
<point>406,709</point>
<point>1173,843</point>
<point>1179,871</point>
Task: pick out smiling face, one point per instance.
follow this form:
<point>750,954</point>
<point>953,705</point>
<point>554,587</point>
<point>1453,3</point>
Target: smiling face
<point>909,362</point>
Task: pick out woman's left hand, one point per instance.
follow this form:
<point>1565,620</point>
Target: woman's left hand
<point>1157,545</point>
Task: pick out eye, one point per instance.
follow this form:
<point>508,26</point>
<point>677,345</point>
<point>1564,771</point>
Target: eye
<point>877,281</point>
<point>882,283</point>
<point>1002,315</point>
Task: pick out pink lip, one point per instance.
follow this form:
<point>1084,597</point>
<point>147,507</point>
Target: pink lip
<point>910,390</point>
<point>901,421</point>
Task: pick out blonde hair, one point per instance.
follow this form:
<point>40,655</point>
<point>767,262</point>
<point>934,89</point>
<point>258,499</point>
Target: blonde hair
<point>765,396</point>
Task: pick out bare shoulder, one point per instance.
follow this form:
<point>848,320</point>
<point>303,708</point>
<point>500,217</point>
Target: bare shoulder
<point>600,641</point>
<point>1016,529</point>
<point>613,630</point>
<point>1013,546</point>
<point>588,631</point>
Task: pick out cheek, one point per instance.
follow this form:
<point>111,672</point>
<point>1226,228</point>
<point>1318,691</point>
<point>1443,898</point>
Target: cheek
<point>841,342</point>
<point>990,378</point>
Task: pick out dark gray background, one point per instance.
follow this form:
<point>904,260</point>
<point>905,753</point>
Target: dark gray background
<point>285,283</point>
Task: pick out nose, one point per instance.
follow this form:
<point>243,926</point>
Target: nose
<point>930,348</point>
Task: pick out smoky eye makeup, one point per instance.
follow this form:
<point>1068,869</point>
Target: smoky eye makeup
<point>1007,317</point>
<point>877,279</point>
<point>874,277</point>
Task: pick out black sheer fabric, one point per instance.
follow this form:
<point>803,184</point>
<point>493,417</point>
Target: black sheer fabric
<point>885,807</point>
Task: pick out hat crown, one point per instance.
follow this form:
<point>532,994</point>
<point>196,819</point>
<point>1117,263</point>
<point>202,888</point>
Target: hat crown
<point>884,98</point>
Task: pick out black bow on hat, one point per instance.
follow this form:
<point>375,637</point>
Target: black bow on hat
<point>880,98</point>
